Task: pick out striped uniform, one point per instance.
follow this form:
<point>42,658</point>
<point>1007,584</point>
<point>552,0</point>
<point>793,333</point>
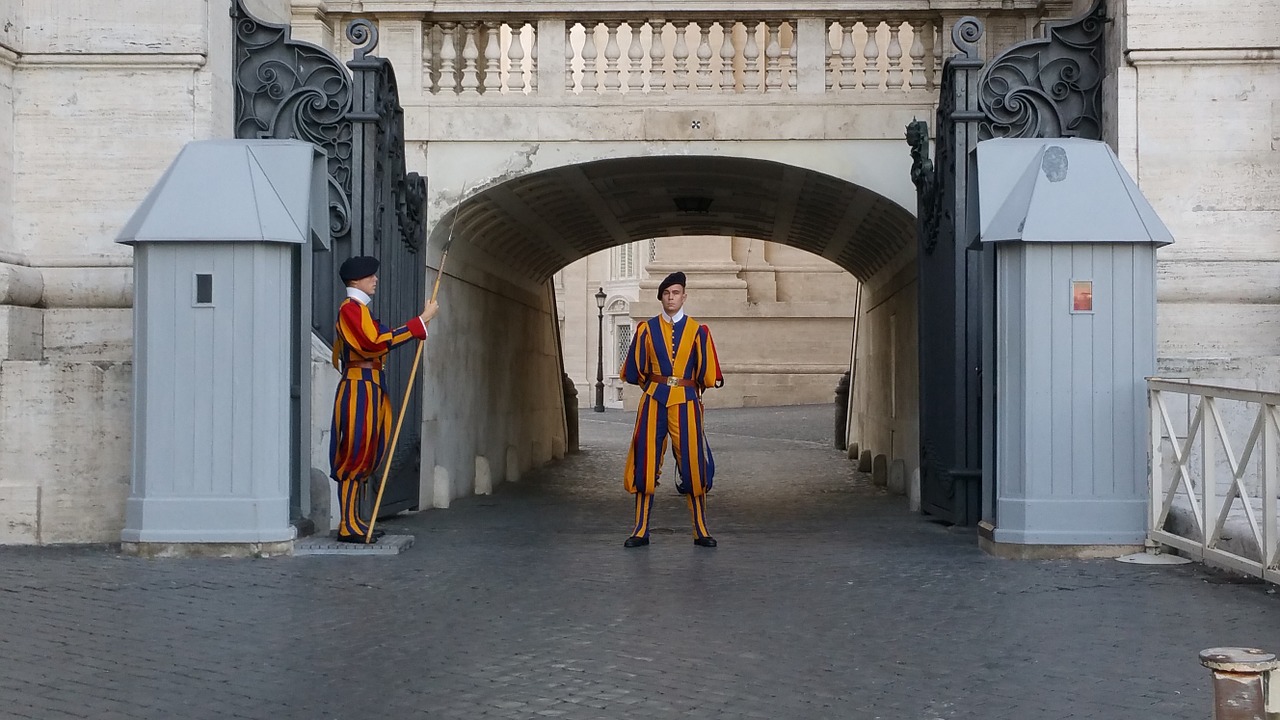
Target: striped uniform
<point>682,350</point>
<point>361,407</point>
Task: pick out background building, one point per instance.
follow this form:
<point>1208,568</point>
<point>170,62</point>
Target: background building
<point>794,357</point>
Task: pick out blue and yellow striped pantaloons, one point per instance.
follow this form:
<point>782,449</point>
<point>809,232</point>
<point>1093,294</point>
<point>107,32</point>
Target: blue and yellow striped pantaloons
<point>357,441</point>
<point>695,466</point>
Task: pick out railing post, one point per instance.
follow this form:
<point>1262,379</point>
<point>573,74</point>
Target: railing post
<point>1270,493</point>
<point>1208,471</point>
<point>1240,679</point>
<point>552,54</point>
<point>1155,461</point>
<point>811,55</point>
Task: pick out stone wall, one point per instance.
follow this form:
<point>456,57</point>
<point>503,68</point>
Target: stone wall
<point>494,407</point>
<point>95,101</point>
<point>885,393</point>
<point>1198,126</point>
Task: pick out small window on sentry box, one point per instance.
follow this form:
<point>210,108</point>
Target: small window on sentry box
<point>204,290</point>
<point>1081,296</point>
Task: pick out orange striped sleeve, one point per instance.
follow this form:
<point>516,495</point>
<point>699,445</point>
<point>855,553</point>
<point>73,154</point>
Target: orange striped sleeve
<point>369,338</point>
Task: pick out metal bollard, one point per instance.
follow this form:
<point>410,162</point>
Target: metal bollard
<point>1240,679</point>
<point>570,414</point>
<point>842,411</point>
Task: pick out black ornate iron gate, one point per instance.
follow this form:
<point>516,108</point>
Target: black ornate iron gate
<point>291,89</point>
<point>1048,87</point>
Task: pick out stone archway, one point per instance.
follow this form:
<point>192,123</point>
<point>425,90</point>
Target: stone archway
<point>496,400</point>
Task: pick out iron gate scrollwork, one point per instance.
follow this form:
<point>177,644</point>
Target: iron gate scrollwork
<point>1050,86</point>
<point>288,88</point>
<point>1047,87</point>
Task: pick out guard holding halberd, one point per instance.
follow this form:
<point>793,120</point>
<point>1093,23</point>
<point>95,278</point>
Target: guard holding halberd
<point>361,406</point>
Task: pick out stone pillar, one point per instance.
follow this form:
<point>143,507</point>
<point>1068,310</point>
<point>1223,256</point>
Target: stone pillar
<point>706,260</point>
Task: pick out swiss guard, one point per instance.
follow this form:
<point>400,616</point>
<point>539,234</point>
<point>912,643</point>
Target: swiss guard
<point>673,359</point>
<point>361,407</point>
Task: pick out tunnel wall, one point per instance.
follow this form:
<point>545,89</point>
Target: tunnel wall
<point>493,403</point>
<point>884,409</point>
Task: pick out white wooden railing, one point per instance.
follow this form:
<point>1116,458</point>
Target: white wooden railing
<point>1214,480</point>
<point>617,56</point>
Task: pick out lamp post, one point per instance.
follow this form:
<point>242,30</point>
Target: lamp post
<point>600,298</point>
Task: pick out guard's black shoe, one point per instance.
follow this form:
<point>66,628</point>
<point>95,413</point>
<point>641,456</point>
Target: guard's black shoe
<point>705,542</point>
<point>634,541</point>
<point>356,539</point>
<point>378,533</point>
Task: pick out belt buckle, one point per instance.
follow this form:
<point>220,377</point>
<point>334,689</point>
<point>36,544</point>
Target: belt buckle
<point>673,382</point>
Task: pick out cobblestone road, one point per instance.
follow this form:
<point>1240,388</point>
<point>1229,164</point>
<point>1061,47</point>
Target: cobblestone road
<point>825,599</point>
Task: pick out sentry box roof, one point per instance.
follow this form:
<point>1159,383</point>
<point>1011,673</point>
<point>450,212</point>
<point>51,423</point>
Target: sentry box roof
<point>237,191</point>
<point>1061,190</point>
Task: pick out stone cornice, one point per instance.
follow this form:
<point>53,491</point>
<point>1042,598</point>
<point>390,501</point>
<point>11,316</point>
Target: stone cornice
<point>124,259</point>
<point>190,61</point>
<point>658,8</point>
<point>8,57</point>
<point>312,10</point>
<point>1194,56</point>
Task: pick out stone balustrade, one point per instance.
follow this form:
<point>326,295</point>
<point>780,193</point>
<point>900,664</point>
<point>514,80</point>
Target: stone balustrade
<point>610,56</point>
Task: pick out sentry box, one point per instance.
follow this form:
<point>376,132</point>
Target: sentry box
<point>222,288</point>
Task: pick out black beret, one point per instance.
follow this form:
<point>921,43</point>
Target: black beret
<point>675,278</point>
<point>360,266</point>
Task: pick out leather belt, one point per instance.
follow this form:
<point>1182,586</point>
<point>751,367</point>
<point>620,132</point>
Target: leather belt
<point>672,381</point>
<point>364,365</point>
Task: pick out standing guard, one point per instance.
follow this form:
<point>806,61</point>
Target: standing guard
<point>361,407</point>
<point>674,360</point>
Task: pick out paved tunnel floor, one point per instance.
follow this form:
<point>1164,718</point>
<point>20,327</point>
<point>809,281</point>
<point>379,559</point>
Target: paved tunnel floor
<point>825,599</point>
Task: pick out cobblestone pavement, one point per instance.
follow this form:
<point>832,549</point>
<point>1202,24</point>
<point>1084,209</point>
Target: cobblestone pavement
<point>825,599</point>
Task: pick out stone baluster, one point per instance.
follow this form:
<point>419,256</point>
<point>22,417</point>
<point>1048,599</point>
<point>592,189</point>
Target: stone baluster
<point>893,79</point>
<point>728,53</point>
<point>635,55</point>
<point>657,57</point>
<point>492,80</point>
<point>848,56</point>
<point>833,58</point>
<point>704,55</point>
<point>773,56</point>
<point>793,73</point>
<point>533,57</point>
<point>871,53</point>
<point>936,36</point>
<point>612,51</point>
<point>680,53</point>
<point>448,84</point>
<point>590,53</point>
<point>428,81</point>
<point>918,32</point>
<point>470,56</point>
<point>569,56</point>
<point>751,57</point>
<point>515,56</point>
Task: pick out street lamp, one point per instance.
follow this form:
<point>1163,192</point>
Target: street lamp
<point>600,298</point>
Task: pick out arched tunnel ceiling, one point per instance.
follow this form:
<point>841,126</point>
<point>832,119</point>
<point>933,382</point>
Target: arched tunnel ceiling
<point>536,224</point>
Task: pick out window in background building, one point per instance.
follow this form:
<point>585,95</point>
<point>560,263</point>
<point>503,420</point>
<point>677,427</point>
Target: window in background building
<point>623,334</point>
<point>653,249</point>
<point>624,262</point>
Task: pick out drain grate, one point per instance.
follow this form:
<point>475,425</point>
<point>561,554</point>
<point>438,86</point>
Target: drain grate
<point>327,545</point>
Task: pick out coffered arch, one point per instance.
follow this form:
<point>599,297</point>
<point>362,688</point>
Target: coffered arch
<point>528,227</point>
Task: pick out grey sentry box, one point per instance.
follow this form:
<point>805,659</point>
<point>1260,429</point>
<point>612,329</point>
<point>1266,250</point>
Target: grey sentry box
<point>222,274</point>
<point>1073,340</point>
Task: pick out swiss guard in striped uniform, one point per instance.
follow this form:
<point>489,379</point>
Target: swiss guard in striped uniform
<point>673,359</point>
<point>361,407</point>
